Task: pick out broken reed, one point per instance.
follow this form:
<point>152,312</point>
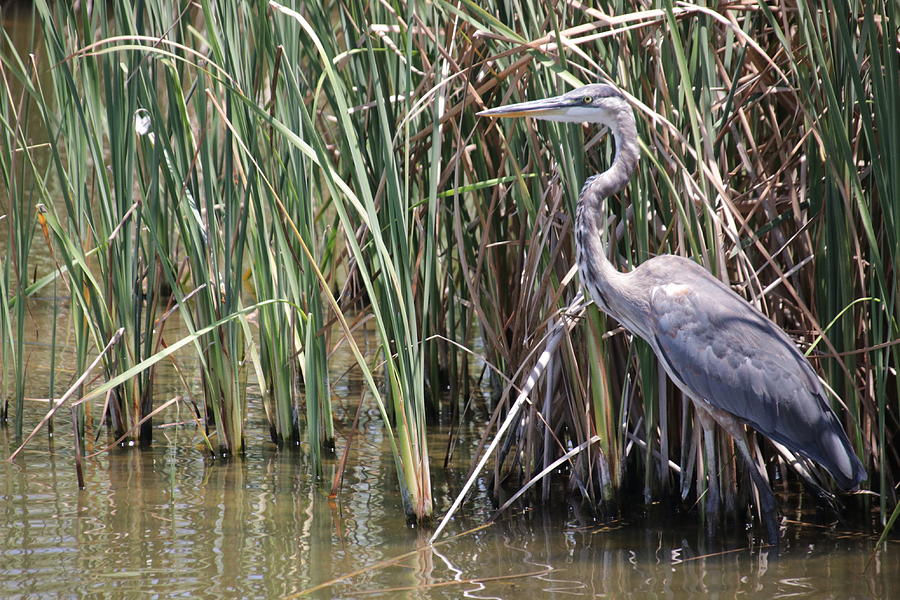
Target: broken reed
<point>329,157</point>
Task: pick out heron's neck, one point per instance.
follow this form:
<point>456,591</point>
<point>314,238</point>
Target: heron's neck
<point>597,273</point>
<point>599,187</point>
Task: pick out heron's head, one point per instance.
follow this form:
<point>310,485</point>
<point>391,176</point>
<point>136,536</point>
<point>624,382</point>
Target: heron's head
<point>594,103</point>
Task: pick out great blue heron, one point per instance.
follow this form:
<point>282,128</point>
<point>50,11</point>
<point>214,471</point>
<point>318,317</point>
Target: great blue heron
<point>735,364</point>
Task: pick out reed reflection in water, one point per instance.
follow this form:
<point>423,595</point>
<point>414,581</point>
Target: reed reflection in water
<point>170,522</point>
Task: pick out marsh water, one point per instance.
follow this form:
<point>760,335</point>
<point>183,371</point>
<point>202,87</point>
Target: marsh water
<point>170,522</point>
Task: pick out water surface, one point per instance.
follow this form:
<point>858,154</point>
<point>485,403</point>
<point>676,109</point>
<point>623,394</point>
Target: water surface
<point>171,522</point>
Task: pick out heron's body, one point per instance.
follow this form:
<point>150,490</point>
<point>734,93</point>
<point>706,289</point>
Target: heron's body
<point>721,351</point>
<point>734,363</point>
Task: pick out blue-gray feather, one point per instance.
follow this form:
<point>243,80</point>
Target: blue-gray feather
<point>725,352</point>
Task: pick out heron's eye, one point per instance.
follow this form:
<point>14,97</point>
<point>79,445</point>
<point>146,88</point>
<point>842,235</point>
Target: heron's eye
<point>587,100</point>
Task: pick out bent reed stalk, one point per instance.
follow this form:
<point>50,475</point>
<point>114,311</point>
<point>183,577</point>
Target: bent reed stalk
<point>206,157</point>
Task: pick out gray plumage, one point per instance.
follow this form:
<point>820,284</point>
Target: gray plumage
<point>723,350</point>
<point>733,362</point>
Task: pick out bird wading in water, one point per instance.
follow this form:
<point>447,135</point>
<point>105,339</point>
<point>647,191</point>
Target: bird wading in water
<point>736,365</point>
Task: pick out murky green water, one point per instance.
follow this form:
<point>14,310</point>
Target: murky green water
<point>170,522</point>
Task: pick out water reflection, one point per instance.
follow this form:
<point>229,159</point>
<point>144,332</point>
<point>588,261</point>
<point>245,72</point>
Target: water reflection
<point>171,522</point>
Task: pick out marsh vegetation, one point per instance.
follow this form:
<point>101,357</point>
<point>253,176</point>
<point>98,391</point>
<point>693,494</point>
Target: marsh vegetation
<point>274,179</point>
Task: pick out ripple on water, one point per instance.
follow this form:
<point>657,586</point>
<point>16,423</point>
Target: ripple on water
<point>173,523</point>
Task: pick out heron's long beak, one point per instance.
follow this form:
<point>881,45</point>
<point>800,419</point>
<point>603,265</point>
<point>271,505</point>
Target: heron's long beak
<point>546,107</point>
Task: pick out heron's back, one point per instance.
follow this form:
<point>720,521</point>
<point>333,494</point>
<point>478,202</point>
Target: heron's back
<point>721,350</point>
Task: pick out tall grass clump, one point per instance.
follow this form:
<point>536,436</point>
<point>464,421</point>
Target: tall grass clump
<point>850,99</point>
<point>18,223</point>
<point>375,200</point>
<point>109,200</point>
<point>286,258</point>
<point>211,169</point>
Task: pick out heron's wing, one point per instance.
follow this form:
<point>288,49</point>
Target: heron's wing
<point>726,353</point>
<point>720,349</point>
